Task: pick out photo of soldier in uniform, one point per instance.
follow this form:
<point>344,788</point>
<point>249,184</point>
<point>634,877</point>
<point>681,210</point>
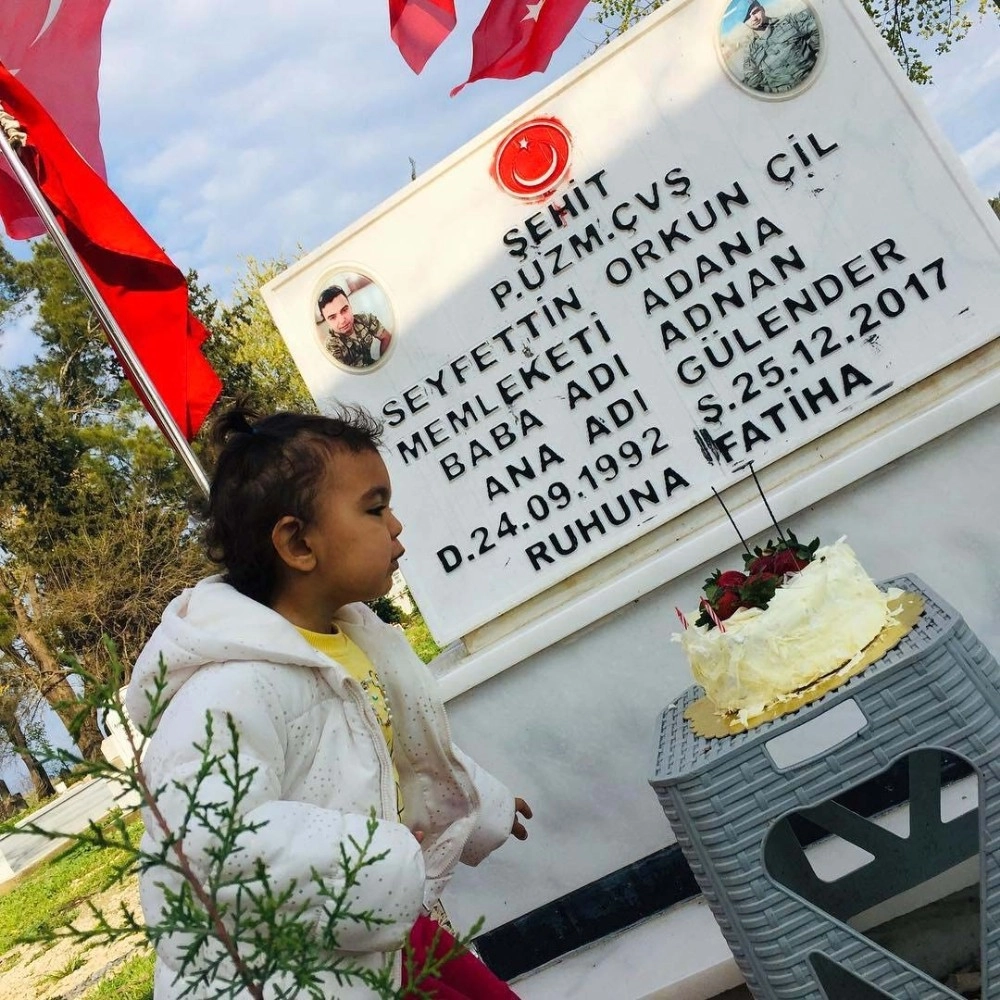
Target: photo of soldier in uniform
<point>353,320</point>
<point>770,48</point>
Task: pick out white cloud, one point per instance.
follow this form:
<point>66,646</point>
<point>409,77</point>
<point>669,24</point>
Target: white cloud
<point>257,129</point>
<point>965,97</point>
<point>968,75</point>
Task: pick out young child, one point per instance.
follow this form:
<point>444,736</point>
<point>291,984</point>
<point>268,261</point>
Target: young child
<point>332,708</point>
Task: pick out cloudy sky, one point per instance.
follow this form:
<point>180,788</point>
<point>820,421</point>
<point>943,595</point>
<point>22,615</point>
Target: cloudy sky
<point>235,129</point>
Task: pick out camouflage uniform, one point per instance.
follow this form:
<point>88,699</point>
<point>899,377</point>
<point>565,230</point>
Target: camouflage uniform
<point>356,350</point>
<point>781,56</point>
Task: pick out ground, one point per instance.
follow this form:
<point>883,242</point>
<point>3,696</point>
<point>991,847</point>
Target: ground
<point>63,970</point>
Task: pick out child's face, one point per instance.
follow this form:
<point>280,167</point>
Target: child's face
<point>354,534</point>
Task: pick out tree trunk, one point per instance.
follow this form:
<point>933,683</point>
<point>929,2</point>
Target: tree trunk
<point>49,678</point>
<point>41,782</point>
<point>79,718</point>
<point>52,684</point>
<point>90,738</point>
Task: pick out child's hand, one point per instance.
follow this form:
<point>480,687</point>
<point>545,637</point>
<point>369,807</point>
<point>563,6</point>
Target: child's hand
<point>521,808</point>
<point>418,835</point>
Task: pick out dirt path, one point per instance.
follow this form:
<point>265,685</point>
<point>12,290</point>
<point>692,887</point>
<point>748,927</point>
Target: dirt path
<point>63,970</point>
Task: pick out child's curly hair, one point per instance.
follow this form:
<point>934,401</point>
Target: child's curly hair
<point>269,467</point>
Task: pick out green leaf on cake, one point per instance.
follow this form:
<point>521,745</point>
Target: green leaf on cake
<point>758,590</point>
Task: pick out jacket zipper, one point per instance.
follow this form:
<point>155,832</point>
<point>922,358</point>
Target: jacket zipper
<point>386,780</point>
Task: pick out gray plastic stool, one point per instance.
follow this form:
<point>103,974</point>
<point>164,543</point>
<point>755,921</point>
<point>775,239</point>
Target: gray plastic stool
<point>728,801</point>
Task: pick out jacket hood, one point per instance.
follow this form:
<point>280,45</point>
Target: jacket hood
<point>214,623</point>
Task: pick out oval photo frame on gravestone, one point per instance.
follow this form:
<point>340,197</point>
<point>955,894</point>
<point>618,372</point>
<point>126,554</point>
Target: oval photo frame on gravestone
<point>783,59</point>
<point>370,308</point>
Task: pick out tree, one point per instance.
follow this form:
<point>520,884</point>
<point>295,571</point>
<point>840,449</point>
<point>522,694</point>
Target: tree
<point>22,732</point>
<point>98,529</point>
<point>32,524</point>
<point>902,23</point>
<point>620,15</point>
<point>246,347</point>
<point>95,528</point>
<point>995,205</point>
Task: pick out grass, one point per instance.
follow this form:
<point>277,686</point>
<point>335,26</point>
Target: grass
<point>51,895</point>
<point>132,980</point>
<point>75,962</point>
<point>420,637</point>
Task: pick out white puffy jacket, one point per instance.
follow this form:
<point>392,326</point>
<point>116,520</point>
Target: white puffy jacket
<point>321,764</point>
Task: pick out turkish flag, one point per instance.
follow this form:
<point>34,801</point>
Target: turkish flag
<point>516,38</point>
<point>142,288</point>
<point>418,27</point>
<point>54,48</point>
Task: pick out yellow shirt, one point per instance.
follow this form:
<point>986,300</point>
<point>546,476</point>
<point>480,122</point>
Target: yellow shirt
<point>352,658</point>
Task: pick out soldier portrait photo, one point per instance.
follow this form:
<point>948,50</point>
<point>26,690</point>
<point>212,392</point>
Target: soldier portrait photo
<point>354,320</point>
<point>770,48</point>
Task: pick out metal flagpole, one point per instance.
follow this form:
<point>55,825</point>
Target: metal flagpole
<point>127,356</point>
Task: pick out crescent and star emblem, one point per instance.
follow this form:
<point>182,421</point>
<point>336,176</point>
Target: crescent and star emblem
<point>532,159</point>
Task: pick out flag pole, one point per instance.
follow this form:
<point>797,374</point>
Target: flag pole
<point>127,356</point>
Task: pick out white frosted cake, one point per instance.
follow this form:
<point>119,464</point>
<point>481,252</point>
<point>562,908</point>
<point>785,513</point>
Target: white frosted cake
<point>818,619</point>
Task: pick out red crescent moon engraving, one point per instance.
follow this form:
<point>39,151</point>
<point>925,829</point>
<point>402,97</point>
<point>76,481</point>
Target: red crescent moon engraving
<point>542,179</point>
<point>532,159</point>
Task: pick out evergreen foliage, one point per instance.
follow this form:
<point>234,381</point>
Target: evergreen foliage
<point>240,935</point>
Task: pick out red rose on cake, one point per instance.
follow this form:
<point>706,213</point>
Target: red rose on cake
<point>766,570</point>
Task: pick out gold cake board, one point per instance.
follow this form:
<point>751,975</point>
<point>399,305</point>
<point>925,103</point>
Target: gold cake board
<point>708,721</point>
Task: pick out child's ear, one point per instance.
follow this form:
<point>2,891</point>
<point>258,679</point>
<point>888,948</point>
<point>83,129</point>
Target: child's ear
<point>290,542</point>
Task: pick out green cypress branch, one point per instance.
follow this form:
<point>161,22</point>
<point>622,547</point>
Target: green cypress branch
<point>236,934</point>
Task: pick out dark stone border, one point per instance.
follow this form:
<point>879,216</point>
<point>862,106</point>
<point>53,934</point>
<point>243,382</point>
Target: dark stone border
<point>651,885</point>
<point>589,913</point>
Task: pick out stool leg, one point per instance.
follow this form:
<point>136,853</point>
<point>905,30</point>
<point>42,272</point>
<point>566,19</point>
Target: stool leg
<point>989,814</point>
<point>838,982</point>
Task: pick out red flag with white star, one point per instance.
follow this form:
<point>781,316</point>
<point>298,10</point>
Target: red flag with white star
<point>418,27</point>
<point>516,38</point>
<point>142,288</point>
<point>53,47</point>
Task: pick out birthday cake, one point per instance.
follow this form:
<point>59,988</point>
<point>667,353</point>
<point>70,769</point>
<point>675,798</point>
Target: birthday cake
<point>796,614</point>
